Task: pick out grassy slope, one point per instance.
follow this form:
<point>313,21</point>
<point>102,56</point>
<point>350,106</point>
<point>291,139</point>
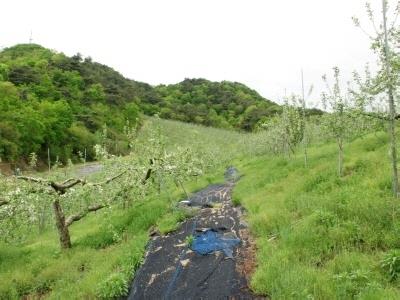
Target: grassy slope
<point>320,236</point>
<point>107,247</point>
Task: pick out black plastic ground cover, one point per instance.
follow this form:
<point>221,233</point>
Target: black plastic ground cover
<point>171,270</point>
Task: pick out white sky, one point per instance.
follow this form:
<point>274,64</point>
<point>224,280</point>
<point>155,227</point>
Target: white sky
<point>261,43</point>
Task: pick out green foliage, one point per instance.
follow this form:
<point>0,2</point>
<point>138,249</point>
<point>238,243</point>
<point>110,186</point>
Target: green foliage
<point>49,100</point>
<point>189,240</point>
<point>236,200</point>
<point>114,286</point>
<point>391,264</point>
<point>108,248</point>
<point>219,104</point>
<point>352,283</point>
<point>320,236</point>
<point>171,221</point>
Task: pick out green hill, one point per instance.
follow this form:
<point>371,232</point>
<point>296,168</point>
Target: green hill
<point>50,100</point>
<point>219,104</point>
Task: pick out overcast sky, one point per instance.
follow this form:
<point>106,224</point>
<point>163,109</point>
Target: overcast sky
<point>261,43</point>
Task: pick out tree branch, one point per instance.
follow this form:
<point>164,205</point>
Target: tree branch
<point>108,179</point>
<point>148,173</point>
<point>33,179</point>
<point>4,202</point>
<point>376,116</point>
<point>73,218</point>
<point>61,188</point>
<point>68,180</point>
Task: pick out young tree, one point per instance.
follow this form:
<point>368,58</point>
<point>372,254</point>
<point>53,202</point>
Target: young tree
<point>304,118</point>
<point>336,122</point>
<point>276,141</point>
<point>175,164</point>
<point>392,109</point>
<point>384,42</point>
<point>33,159</point>
<point>293,123</point>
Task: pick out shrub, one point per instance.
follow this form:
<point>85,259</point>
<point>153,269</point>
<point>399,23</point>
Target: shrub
<point>116,285</point>
<point>98,240</point>
<point>391,264</point>
<point>352,283</point>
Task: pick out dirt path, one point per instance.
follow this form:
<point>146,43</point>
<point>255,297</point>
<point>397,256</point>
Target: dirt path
<point>87,169</point>
<point>172,270</point>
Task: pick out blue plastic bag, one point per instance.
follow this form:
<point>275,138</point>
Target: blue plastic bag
<point>210,241</point>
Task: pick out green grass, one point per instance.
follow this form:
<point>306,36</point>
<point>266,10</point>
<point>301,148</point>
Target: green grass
<point>220,144</point>
<point>320,236</point>
<point>108,246</point>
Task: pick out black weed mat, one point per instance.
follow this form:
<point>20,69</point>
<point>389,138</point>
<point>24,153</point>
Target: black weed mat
<point>171,270</point>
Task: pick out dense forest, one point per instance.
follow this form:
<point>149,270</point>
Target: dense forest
<point>68,104</point>
<point>49,100</point>
<point>218,104</point>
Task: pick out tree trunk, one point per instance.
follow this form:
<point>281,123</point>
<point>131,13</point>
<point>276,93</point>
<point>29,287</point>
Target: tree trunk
<point>393,147</point>
<point>392,109</point>
<point>305,153</point>
<point>63,232</point>
<point>340,159</point>
<point>42,219</point>
<point>183,188</point>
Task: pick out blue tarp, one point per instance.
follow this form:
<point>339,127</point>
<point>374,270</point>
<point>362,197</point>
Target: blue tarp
<point>210,241</point>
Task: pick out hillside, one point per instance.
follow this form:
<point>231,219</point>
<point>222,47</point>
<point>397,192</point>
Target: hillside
<point>51,101</point>
<point>108,246</point>
<point>321,236</point>
<point>318,235</point>
<point>218,104</point>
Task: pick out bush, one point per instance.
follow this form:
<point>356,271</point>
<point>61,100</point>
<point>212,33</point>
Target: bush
<point>351,283</point>
<point>116,285</point>
<point>391,264</point>
<point>101,239</point>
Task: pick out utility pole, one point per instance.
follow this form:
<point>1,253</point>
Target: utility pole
<point>30,38</point>
<point>48,158</point>
<point>392,112</point>
<point>303,111</point>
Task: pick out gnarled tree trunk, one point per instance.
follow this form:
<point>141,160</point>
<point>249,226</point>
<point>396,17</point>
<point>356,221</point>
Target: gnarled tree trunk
<point>63,223</point>
<point>63,231</point>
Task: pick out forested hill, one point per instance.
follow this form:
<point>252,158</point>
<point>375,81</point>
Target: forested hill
<point>219,104</point>
<point>50,100</point>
